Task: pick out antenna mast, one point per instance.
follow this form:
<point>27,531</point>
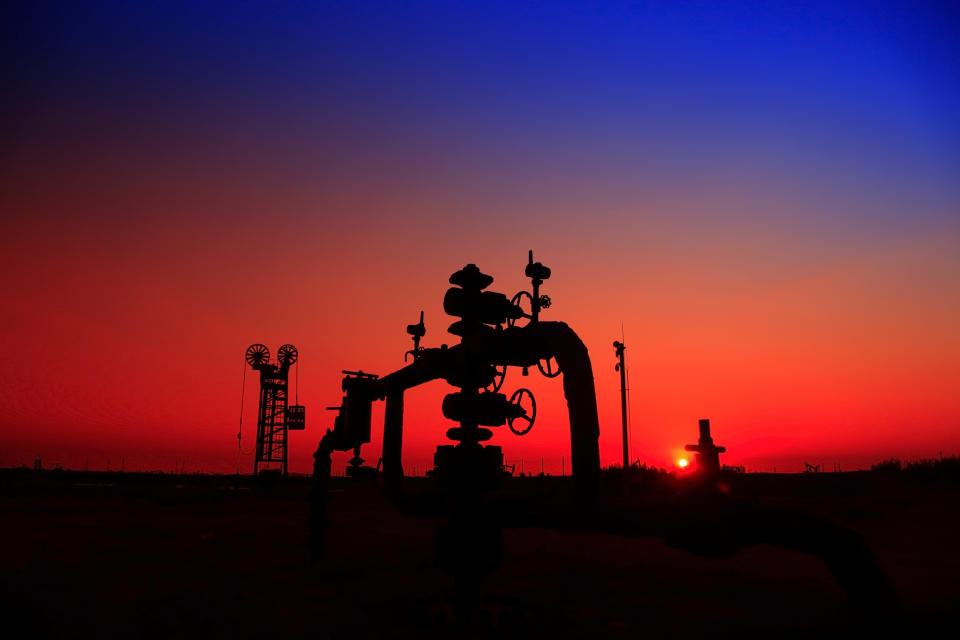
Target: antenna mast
<point>621,366</point>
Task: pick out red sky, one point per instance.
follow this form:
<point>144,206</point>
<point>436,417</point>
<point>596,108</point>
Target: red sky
<point>129,340</point>
<point>780,243</point>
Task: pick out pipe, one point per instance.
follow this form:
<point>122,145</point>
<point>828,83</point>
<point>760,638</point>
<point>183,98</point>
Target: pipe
<point>558,340</point>
<point>393,440</point>
<point>705,528</point>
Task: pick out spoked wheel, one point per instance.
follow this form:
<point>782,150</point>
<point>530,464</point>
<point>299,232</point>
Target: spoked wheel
<point>287,354</point>
<point>549,367</point>
<point>523,398</point>
<point>499,377</point>
<point>257,354</point>
<point>517,301</point>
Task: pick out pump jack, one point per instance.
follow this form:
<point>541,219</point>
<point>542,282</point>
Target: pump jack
<point>468,474</point>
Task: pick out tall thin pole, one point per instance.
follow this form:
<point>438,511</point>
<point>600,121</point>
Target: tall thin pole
<point>619,348</point>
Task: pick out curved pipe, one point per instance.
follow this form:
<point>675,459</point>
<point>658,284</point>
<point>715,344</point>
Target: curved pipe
<point>558,340</point>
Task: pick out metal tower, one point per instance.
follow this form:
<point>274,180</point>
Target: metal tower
<point>274,417</point>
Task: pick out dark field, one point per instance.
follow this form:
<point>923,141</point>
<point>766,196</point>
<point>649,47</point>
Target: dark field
<point>160,556</point>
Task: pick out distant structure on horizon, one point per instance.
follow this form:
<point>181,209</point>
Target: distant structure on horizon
<point>274,417</point>
<point>708,454</point>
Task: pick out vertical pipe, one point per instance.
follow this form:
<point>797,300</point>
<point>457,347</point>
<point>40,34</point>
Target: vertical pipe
<point>559,340</point>
<point>393,440</point>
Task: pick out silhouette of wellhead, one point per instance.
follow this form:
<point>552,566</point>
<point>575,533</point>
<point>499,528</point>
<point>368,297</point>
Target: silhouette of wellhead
<point>495,333</point>
<point>708,454</point>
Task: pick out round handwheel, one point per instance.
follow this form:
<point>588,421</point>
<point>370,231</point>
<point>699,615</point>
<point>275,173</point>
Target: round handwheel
<point>517,301</point>
<point>520,398</point>
<point>499,376</point>
<point>548,369</point>
<point>287,354</point>
<point>257,354</point>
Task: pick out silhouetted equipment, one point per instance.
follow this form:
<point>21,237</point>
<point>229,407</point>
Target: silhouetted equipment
<point>468,544</point>
<point>296,417</point>
<point>416,331</point>
<point>811,468</point>
<point>621,366</point>
<point>274,417</point>
<point>527,418</point>
<point>355,415</point>
<point>537,273</point>
<point>468,474</point>
<point>708,454</point>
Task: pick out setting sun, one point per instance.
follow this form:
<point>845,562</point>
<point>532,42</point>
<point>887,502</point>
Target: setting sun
<point>682,463</point>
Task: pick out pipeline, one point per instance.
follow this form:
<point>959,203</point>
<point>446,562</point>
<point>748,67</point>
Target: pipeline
<point>721,529</point>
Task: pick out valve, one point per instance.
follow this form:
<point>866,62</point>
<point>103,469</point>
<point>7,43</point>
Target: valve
<point>528,416</point>
<point>517,302</point>
<point>416,331</point>
<point>538,273</point>
<point>500,374</point>
<point>477,309</point>
<point>549,367</point>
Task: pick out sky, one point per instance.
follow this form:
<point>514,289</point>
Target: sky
<point>762,199</point>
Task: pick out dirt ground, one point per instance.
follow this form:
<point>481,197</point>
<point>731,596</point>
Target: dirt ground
<point>198,559</point>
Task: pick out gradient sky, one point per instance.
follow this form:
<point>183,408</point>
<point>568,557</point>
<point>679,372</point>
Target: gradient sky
<point>766,196</point>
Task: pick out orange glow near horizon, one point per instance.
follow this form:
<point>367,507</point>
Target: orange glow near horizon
<point>771,229</point>
<point>130,354</point>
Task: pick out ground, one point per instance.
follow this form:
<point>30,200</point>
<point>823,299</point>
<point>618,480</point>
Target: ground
<point>193,557</point>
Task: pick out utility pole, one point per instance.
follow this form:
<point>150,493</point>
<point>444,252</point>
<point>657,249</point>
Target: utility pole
<point>621,366</point>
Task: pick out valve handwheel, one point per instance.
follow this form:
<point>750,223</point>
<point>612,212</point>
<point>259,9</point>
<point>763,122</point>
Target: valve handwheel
<point>516,301</point>
<point>257,354</point>
<point>499,376</point>
<point>287,354</point>
<point>548,369</point>
<point>518,398</point>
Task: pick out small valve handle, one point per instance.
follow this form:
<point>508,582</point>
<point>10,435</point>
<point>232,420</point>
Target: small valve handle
<point>536,270</point>
<point>525,417</point>
<point>416,331</point>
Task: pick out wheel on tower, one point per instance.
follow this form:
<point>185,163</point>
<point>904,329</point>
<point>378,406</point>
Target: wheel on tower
<point>257,354</point>
<point>287,354</point>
